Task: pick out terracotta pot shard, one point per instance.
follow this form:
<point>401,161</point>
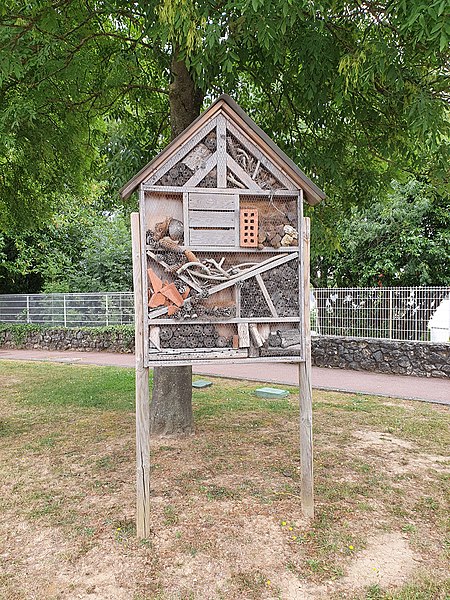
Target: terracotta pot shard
<point>157,300</point>
<point>155,282</point>
<point>170,291</point>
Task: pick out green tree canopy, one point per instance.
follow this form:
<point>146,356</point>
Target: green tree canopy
<point>81,248</point>
<point>403,240</point>
<point>355,93</point>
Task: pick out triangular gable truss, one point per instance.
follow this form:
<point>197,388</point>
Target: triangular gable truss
<point>219,155</point>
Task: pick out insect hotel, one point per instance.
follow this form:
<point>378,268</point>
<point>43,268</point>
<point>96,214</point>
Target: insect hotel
<point>221,262</point>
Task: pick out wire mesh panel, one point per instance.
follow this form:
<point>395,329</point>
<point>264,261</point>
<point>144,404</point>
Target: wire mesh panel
<point>211,292</point>
<point>404,313</point>
<point>68,310</point>
<point>401,313</point>
<point>14,308</point>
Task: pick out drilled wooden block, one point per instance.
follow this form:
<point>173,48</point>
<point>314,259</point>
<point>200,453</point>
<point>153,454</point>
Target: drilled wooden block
<point>211,237</point>
<point>248,231</point>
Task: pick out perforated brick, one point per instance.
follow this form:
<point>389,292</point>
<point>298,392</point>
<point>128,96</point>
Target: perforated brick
<point>248,232</point>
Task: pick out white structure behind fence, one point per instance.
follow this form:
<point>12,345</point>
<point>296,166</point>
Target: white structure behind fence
<point>400,313</point>
<point>394,313</point>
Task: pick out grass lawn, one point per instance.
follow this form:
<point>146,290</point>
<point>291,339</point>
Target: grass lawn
<point>226,518</point>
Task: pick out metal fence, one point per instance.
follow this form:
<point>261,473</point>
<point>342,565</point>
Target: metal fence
<point>68,310</point>
<point>396,313</point>
<point>401,313</point>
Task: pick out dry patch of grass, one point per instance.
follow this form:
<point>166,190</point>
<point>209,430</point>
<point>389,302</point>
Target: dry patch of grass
<point>226,518</point>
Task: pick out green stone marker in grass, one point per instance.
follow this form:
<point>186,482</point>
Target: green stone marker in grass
<point>267,392</point>
<point>201,383</point>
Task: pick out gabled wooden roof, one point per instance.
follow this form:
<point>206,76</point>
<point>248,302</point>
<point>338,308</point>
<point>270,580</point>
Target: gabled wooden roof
<point>234,113</point>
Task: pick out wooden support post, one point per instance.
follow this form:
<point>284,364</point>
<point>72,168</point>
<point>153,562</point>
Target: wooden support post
<point>237,292</point>
<point>154,337</point>
<point>244,335</point>
<point>142,391</point>
<point>255,335</point>
<point>306,441</point>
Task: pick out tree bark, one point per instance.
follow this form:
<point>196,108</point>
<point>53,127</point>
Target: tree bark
<point>185,98</point>
<point>171,406</point>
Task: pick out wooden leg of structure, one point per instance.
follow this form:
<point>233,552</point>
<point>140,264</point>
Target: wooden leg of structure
<point>142,393</point>
<point>306,441</point>
<point>142,454</point>
<point>305,388</point>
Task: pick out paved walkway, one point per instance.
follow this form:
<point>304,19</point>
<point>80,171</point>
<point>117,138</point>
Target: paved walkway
<point>394,386</point>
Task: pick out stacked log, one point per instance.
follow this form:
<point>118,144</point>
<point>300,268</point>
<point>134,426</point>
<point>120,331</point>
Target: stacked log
<point>192,336</point>
<point>282,342</point>
<point>178,175</point>
<point>274,339</point>
<point>210,141</point>
<point>294,351</point>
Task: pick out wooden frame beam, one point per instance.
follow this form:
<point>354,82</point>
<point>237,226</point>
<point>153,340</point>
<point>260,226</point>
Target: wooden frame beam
<point>266,295</point>
<point>221,151</point>
<point>172,189</point>
<point>243,176</point>
<point>203,171</point>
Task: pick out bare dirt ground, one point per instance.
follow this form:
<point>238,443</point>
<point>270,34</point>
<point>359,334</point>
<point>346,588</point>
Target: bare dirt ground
<point>226,518</point>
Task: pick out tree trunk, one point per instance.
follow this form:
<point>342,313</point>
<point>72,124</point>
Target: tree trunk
<point>185,98</point>
<point>171,407</point>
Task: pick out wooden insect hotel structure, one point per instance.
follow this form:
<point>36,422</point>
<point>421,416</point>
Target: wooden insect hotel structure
<point>221,263</point>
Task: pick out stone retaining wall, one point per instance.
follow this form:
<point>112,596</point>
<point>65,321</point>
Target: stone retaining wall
<point>424,359</point>
<point>86,339</point>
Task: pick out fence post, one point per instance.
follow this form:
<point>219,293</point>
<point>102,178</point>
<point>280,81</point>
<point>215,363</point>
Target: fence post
<point>65,311</point>
<point>448,315</point>
<point>28,309</point>
<point>106,310</point>
<point>391,293</point>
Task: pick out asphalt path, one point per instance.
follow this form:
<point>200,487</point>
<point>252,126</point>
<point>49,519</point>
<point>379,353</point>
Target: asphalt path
<point>359,382</point>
